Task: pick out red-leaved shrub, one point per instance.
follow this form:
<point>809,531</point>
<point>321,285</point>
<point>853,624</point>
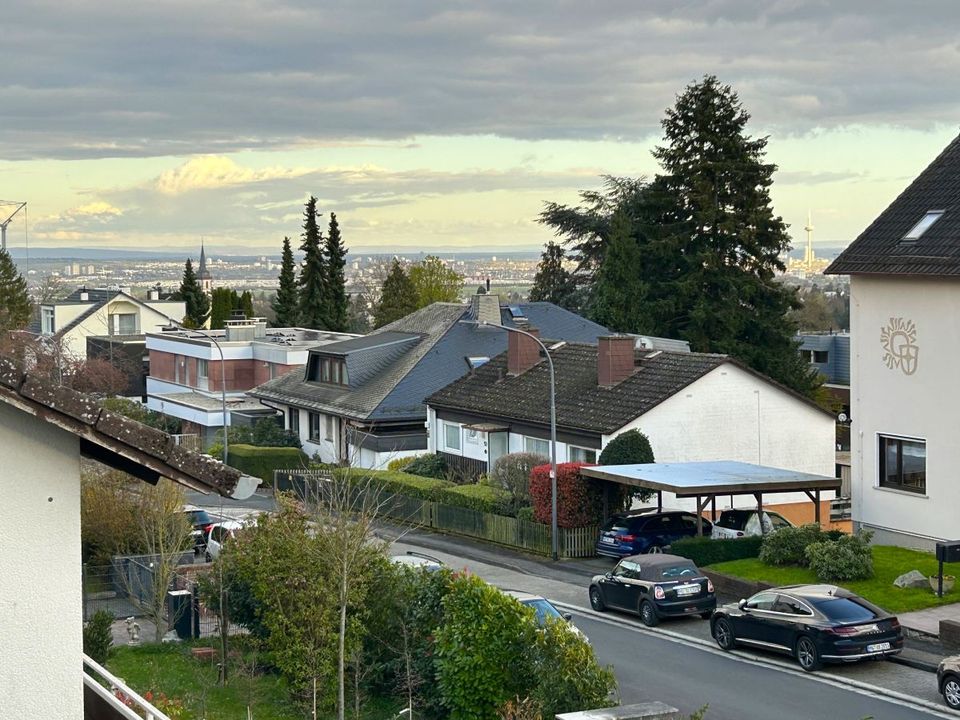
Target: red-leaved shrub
<point>579,499</point>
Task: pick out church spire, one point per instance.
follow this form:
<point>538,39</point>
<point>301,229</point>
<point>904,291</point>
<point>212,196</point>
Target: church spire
<point>206,279</point>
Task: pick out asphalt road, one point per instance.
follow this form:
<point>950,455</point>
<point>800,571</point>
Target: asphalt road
<point>649,668</point>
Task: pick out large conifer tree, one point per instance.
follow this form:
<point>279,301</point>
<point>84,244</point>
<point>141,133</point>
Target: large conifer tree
<point>285,303</point>
<point>197,302</point>
<point>619,294</point>
<point>312,304</point>
<point>553,282</point>
<point>15,308</point>
<point>398,298</point>
<point>336,257</point>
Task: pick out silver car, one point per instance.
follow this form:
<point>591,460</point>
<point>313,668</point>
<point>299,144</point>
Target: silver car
<point>948,680</point>
<point>744,523</point>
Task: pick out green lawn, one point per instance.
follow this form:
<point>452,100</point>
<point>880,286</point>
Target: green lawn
<point>888,563</point>
<point>172,670</point>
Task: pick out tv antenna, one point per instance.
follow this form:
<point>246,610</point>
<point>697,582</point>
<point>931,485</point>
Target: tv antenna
<point>3,224</point>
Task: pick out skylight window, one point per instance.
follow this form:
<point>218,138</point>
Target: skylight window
<point>921,227</point>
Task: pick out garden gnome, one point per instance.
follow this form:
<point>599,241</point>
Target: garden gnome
<point>133,631</point>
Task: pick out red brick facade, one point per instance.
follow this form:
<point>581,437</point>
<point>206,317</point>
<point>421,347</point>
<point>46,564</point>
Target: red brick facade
<point>239,374</point>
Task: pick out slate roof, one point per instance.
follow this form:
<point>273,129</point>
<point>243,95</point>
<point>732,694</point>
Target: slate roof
<point>879,249</point>
<point>582,404</point>
<point>425,352</point>
<point>117,440</point>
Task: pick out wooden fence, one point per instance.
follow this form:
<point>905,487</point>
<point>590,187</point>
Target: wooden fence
<point>500,529</point>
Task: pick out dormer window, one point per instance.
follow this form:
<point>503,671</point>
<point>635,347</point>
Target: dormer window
<point>926,222</point>
<point>327,369</point>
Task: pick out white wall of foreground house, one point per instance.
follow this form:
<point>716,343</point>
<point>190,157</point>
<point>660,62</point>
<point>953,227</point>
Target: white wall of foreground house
<point>371,460</point>
<point>40,582</point>
<point>890,401</point>
<point>730,414</point>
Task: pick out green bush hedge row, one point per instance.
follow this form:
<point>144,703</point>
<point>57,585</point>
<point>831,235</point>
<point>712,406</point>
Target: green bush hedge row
<point>400,482</point>
<point>704,551</point>
<point>481,498</point>
<point>262,461</point>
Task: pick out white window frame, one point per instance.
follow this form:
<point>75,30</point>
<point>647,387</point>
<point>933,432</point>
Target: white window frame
<point>456,427</point>
<point>529,443</point>
<point>572,448</point>
<point>48,320</point>
<point>293,420</point>
<point>313,421</point>
<point>902,487</point>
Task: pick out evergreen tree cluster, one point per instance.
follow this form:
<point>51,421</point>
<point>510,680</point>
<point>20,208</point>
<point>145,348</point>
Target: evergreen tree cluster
<point>692,253</point>
<point>426,282</point>
<point>223,303</point>
<point>15,307</point>
<point>196,300</point>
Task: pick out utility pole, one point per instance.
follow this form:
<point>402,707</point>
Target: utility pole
<point>3,224</point>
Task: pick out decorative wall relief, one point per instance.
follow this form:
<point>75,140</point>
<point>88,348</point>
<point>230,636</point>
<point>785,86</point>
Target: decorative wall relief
<point>899,342</point>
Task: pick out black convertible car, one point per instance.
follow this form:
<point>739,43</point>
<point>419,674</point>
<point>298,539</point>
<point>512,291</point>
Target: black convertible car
<point>654,586</point>
<point>814,623</point>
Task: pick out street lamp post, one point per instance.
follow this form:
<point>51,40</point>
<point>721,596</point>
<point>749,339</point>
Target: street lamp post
<point>553,427</point>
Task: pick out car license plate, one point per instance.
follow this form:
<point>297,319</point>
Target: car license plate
<point>688,589</point>
<point>609,540</point>
<point>878,647</point>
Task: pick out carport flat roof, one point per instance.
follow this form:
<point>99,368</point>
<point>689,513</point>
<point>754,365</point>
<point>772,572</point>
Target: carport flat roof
<point>725,477</point>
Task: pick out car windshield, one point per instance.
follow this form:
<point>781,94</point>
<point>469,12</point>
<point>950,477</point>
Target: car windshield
<point>731,521</point>
<point>678,572</point>
<point>544,610</point>
<point>845,610</point>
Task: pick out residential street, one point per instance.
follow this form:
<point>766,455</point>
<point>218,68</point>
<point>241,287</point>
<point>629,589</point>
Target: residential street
<point>677,662</point>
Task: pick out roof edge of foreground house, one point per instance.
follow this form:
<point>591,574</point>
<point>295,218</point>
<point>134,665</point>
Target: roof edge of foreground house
<point>123,443</point>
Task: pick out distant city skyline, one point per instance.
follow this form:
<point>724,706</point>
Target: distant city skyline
<point>439,127</point>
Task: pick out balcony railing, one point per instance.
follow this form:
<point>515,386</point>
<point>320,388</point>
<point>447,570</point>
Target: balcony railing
<point>115,699</point>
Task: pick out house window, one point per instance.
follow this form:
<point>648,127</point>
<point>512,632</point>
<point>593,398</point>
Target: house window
<point>334,372</point>
<point>123,324</point>
<point>314,426</point>
<point>201,369</point>
<point>806,355</point>
<point>903,464</point>
<point>293,420</point>
<point>325,370</point>
<point>329,424</point>
<point>582,455</point>
<point>820,356</point>
<point>451,436</point>
<point>47,326</point>
<point>921,227</point>
<point>536,445</point>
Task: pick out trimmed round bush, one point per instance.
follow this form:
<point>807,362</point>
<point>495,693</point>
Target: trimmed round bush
<point>848,558</point>
<point>629,448</point>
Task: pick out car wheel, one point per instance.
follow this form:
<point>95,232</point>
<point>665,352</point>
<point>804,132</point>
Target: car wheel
<point>723,634</point>
<point>648,614</point>
<point>951,691</point>
<point>706,615</point>
<point>653,550</point>
<point>596,599</point>
<point>807,654</point>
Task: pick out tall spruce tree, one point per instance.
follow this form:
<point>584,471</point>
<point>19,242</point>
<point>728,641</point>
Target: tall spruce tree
<point>196,300</point>
<point>15,308</point>
<point>312,303</point>
<point>398,297</point>
<point>245,303</point>
<point>619,292</point>
<point>721,215</point>
<point>553,282</point>
<point>336,256</point>
<point>222,302</point>
<point>285,303</point>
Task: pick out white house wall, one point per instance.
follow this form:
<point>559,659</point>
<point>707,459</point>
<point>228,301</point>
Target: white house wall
<point>75,341</point>
<point>40,581</point>
<point>924,405</point>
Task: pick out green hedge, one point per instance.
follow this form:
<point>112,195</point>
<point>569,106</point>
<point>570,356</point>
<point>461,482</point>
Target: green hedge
<point>262,461</point>
<point>704,551</point>
<point>482,498</point>
<point>400,482</point>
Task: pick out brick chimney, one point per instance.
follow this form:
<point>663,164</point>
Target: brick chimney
<point>614,359</point>
<point>522,352</point>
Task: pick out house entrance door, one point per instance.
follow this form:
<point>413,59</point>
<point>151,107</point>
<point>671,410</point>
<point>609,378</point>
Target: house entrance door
<point>496,447</point>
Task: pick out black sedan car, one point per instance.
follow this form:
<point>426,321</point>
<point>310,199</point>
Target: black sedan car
<point>654,586</point>
<point>814,623</point>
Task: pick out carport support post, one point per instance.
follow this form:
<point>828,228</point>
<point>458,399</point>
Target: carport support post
<point>701,506</point>
<point>759,497</point>
<point>659,500</point>
<point>815,499</point>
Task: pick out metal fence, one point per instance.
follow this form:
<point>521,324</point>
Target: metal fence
<point>501,529</point>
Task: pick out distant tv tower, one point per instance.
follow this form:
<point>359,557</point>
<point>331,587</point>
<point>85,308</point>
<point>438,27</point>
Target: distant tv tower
<point>808,256</point>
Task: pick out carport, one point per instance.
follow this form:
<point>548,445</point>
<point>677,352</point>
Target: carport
<point>705,480</point>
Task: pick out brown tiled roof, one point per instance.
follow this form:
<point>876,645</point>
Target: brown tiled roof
<point>117,440</point>
<point>880,248</point>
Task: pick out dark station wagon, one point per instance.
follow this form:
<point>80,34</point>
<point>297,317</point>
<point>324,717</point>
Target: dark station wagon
<point>647,531</point>
<point>654,587</point>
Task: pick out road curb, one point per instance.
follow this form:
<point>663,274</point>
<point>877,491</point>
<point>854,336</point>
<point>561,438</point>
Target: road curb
<point>877,690</point>
<point>913,663</point>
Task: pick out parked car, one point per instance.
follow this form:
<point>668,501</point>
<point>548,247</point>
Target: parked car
<point>627,534</point>
<point>814,623</point>
<point>948,680</point>
<point>654,586</point>
<point>218,535</point>
<point>544,609</point>
<point>414,559</point>
<point>740,523</point>
<point>201,522</point>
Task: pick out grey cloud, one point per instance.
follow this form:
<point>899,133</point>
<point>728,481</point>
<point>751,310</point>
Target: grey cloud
<point>115,78</point>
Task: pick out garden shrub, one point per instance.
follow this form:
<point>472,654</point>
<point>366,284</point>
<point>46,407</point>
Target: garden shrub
<point>400,464</point>
<point>431,465</point>
<point>401,483</point>
<point>629,448</point>
<point>98,637</point>
<point>525,513</point>
<point>512,472</point>
<point>482,498</point>
<point>262,461</point>
<point>579,499</point>
<point>787,546</point>
<point>705,551</point>
<point>849,558</point>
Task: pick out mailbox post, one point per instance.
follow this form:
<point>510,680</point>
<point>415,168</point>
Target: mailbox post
<point>946,552</point>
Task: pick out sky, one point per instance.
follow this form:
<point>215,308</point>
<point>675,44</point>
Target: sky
<point>442,125</point>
